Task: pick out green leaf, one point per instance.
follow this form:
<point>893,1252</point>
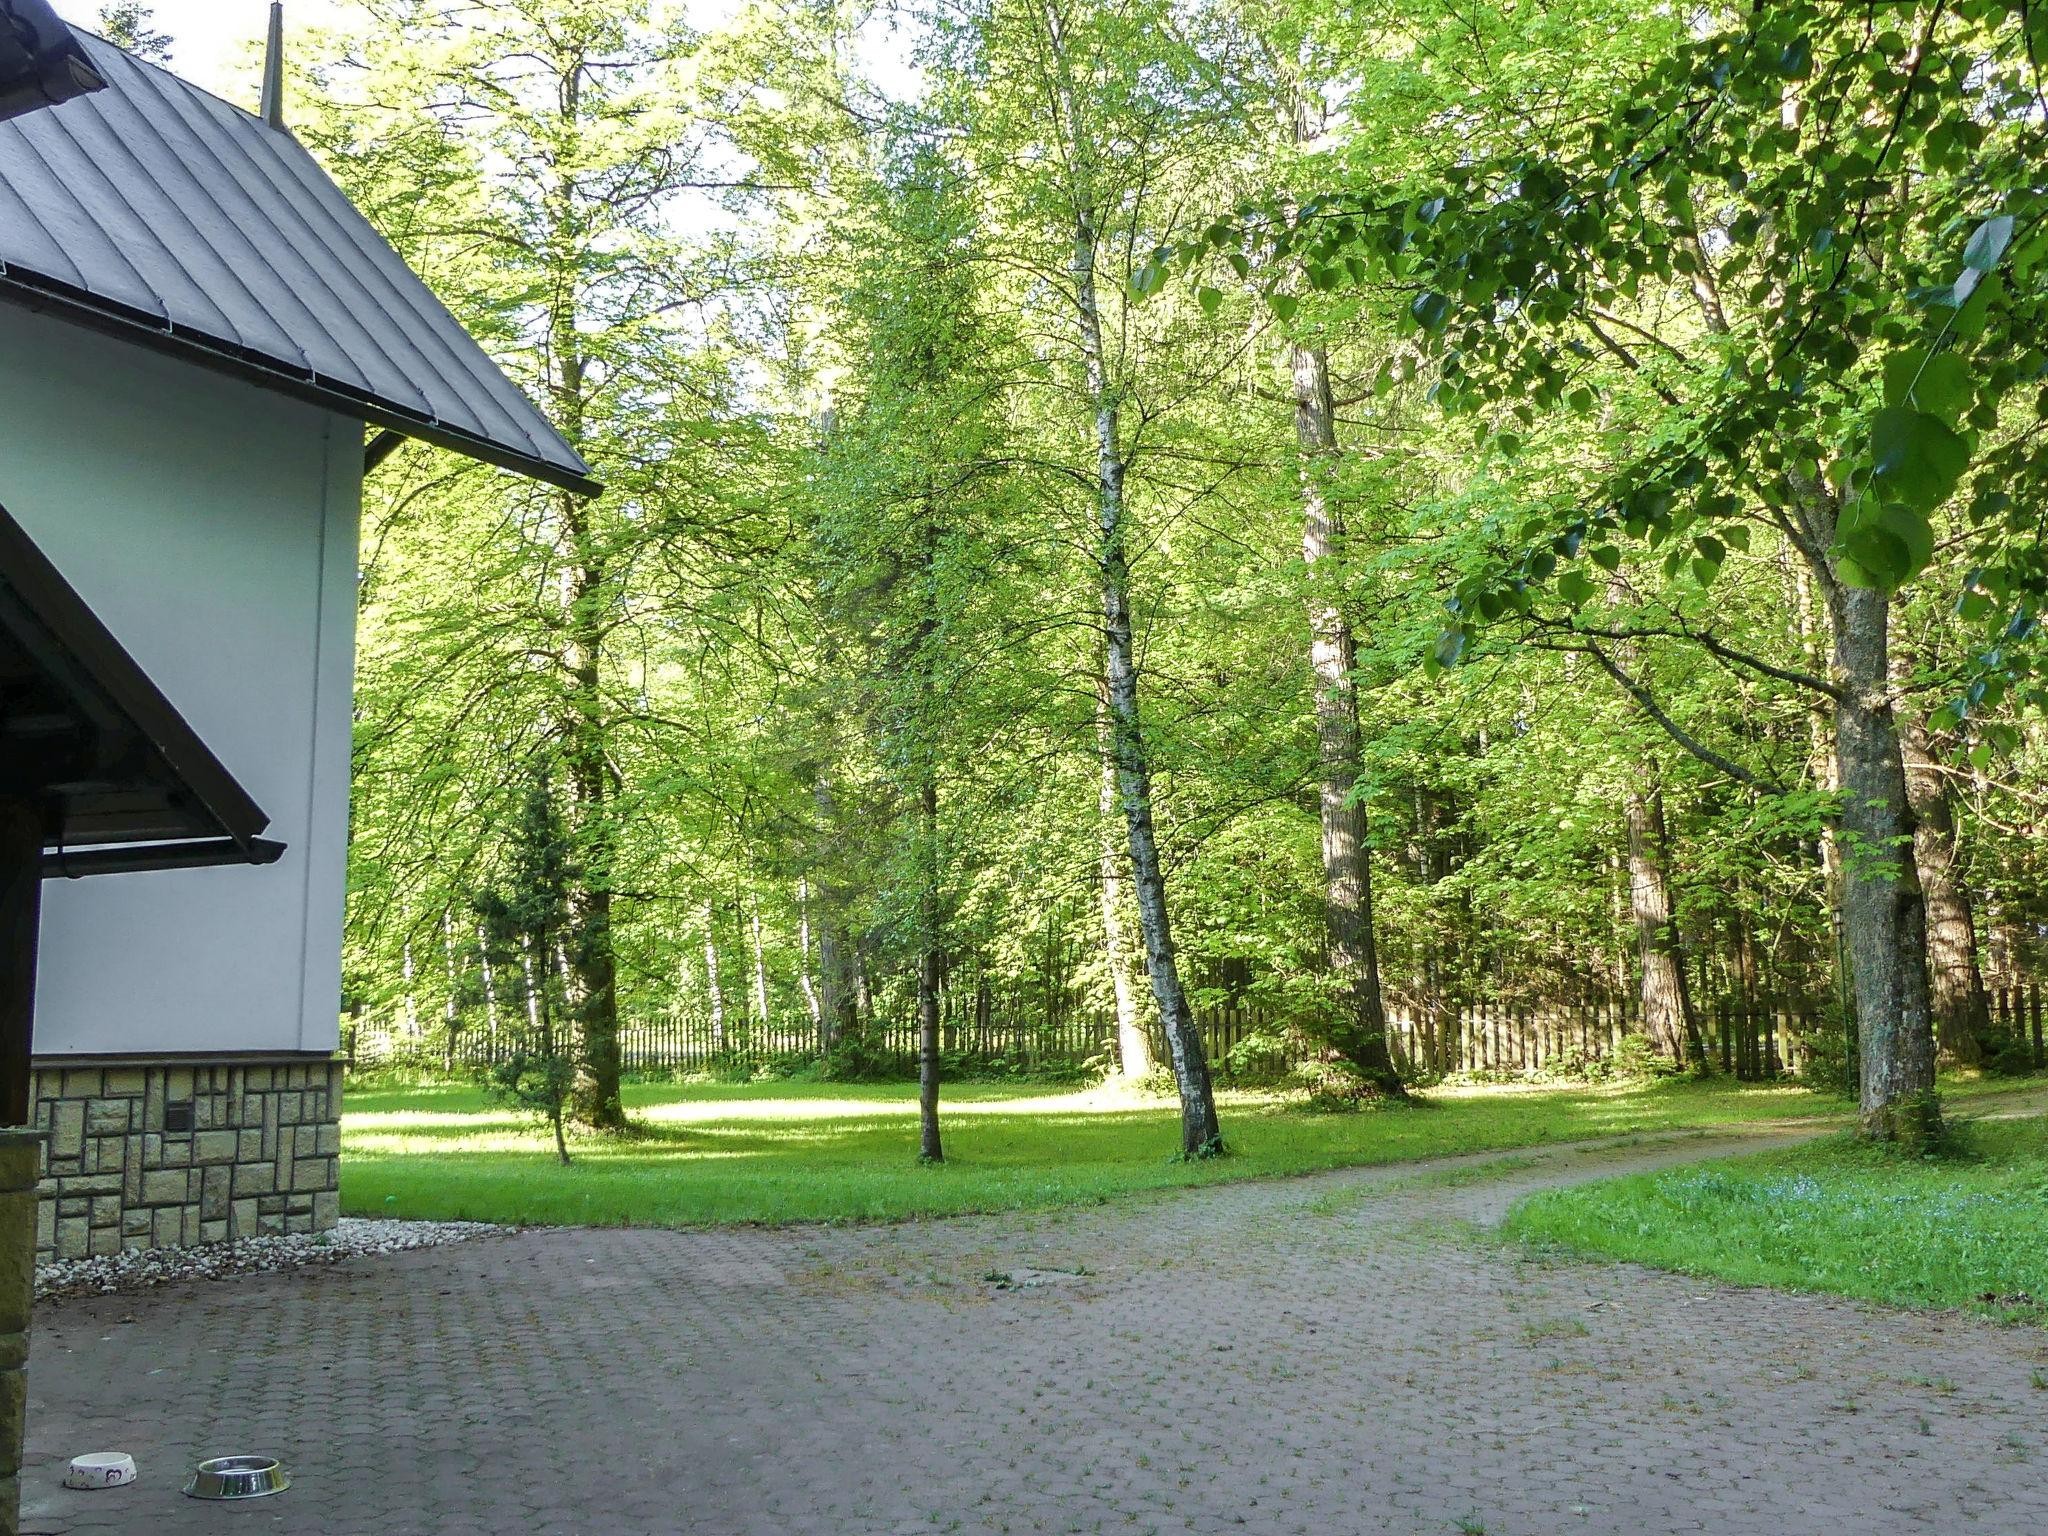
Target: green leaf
<point>1976,304</point>
<point>1430,310</point>
<point>1944,386</point>
<point>1939,384</point>
<point>1211,300</point>
<point>1888,543</point>
<point>1606,556</point>
<point>1575,587</point>
<point>1449,648</point>
<point>1916,458</point>
<point>1877,557</point>
<point>1285,305</point>
<point>1988,245</point>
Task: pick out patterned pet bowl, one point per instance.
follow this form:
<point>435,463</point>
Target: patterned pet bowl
<point>100,1469</point>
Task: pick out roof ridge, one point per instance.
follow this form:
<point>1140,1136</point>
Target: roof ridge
<point>164,69</point>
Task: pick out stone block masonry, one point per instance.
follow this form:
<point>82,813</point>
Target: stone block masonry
<point>155,1154</point>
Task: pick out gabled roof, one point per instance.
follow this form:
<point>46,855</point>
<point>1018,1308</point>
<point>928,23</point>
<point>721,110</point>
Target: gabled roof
<point>87,735</point>
<point>175,219</point>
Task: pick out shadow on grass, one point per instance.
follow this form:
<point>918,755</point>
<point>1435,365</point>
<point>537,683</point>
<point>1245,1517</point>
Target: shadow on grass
<point>762,1152</point>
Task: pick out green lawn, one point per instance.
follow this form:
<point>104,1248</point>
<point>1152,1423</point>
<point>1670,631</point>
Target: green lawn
<point>1966,1229</point>
<point>839,1152</point>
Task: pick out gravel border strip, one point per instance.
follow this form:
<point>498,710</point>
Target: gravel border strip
<point>142,1269</point>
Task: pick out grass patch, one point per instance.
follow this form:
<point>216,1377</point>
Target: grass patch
<point>777,1152</point>
<point>1968,1228</point>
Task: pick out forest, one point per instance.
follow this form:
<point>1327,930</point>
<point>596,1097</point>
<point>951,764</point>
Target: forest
<point>1340,510</point>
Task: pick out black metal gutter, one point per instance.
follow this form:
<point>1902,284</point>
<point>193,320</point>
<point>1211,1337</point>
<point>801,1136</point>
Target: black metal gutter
<point>41,63</point>
<point>200,853</point>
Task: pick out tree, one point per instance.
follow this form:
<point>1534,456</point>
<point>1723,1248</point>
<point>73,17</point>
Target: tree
<point>1962,1014</point>
<point>1860,193</point>
<point>914,572</point>
<point>1092,89</point>
<point>131,25</point>
<point>523,924</point>
<point>1668,1017</point>
<point>528,160</point>
<point>931,555</point>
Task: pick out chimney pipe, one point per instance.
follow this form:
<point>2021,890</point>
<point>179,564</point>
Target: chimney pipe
<point>272,108</point>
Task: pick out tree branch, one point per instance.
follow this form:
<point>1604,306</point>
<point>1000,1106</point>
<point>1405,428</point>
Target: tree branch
<point>1674,730</point>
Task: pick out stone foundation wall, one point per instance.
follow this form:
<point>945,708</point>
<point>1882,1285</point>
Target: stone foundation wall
<point>152,1154</point>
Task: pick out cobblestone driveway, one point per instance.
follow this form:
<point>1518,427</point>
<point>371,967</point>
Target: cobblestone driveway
<point>1334,1354</point>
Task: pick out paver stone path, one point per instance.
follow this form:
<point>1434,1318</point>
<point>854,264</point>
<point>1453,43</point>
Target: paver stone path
<point>1344,1353</point>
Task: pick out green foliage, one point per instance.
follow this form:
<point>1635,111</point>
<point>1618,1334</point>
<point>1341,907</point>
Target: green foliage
<point>1602,314</point>
<point>1847,237</point>
<point>523,925</point>
<point>131,25</point>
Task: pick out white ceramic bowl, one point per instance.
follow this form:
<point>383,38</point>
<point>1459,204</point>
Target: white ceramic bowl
<point>100,1469</point>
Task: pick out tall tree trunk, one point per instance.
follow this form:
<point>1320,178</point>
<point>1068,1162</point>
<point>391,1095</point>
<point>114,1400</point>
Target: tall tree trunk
<point>803,942</point>
<point>594,1001</point>
<point>1133,1042</point>
<point>483,955</point>
<point>451,1015</point>
<point>714,993</point>
<point>1962,1013</point>
<point>1826,775</point>
<point>1347,856</point>
<point>1201,1135</point>
<point>1668,1017</point>
<point>930,963</point>
<point>838,995</point>
<point>924,757</point>
<point>583,726</point>
<point>1884,912</point>
<point>760,966</point>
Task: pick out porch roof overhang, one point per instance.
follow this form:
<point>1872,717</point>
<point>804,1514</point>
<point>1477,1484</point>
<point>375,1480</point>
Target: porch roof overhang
<point>120,781</point>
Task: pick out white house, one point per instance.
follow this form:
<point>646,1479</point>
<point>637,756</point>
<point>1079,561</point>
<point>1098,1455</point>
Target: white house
<point>196,328</point>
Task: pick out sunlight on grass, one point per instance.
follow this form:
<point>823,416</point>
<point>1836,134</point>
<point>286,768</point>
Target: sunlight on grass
<point>1967,1229</point>
<point>772,1152</point>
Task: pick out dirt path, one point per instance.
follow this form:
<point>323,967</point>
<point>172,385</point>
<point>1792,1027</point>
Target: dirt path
<point>1343,1353</point>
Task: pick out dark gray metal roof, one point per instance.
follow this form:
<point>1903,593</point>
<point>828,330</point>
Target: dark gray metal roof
<point>171,217</point>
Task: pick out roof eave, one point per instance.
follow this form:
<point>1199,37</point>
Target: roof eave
<point>148,331</point>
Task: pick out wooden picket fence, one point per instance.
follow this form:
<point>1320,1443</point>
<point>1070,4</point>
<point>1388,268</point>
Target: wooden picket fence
<point>2016,1015</point>
<point>1750,1039</point>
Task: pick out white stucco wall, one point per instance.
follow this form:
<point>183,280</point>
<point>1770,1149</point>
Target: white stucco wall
<point>213,527</point>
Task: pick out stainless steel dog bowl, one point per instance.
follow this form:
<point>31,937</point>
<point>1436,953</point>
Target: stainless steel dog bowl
<point>237,1477</point>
